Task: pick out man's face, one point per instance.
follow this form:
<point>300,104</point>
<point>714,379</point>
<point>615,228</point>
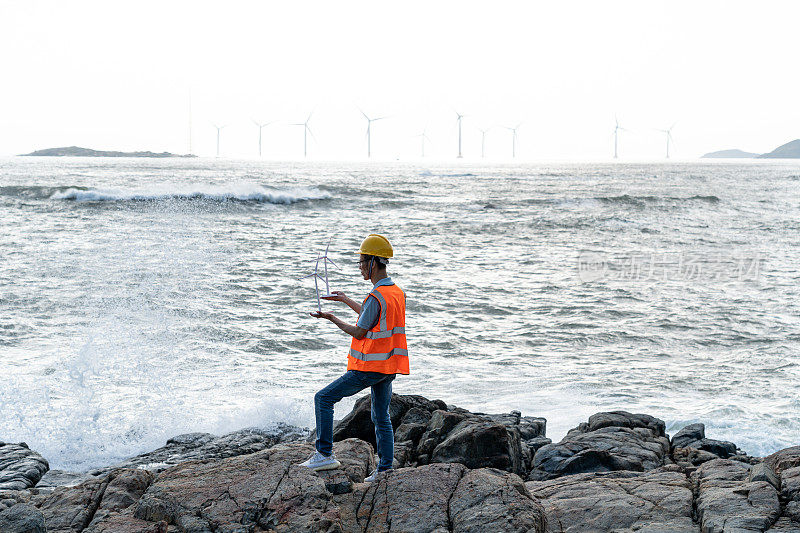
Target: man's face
<point>363,266</point>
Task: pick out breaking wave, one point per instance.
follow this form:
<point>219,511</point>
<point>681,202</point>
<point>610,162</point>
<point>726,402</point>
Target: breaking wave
<point>243,192</point>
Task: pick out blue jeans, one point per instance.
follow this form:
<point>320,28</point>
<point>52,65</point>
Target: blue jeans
<point>350,383</point>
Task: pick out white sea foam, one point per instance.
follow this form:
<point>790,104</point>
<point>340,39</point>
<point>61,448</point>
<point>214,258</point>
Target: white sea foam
<point>246,192</point>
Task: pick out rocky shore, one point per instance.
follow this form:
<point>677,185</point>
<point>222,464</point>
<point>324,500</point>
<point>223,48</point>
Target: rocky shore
<point>454,471</point>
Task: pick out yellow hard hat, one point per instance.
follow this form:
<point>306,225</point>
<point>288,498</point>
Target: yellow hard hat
<point>376,245</point>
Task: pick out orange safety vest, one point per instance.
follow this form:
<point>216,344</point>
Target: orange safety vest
<point>383,349</point>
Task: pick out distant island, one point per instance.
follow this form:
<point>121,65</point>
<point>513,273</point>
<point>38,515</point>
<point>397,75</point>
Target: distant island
<point>728,154</point>
<point>76,151</point>
<point>790,150</point>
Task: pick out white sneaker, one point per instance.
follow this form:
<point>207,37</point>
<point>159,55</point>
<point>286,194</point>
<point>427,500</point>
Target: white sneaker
<point>375,475</point>
<point>321,462</point>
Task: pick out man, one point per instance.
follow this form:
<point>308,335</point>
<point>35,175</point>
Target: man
<point>378,352</point>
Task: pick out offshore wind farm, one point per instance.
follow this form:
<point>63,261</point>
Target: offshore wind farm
<point>458,150</point>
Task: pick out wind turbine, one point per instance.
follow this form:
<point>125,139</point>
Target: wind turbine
<point>514,139</point>
<point>483,141</point>
<point>325,260</point>
<point>668,132</point>
<point>423,136</point>
<point>316,277</point>
<point>617,129</point>
<point>218,130</point>
<point>260,129</point>
<point>460,116</point>
<point>190,121</point>
<point>306,131</point>
<point>369,134</point>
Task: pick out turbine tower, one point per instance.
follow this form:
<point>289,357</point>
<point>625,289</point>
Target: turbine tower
<point>483,142</point>
<point>460,116</point>
<point>668,133</point>
<point>423,137</point>
<point>219,128</point>
<point>306,131</point>
<point>260,129</point>
<point>514,139</point>
<point>190,121</point>
<point>617,129</point>
<point>369,133</point>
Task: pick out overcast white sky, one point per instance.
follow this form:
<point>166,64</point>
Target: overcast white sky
<point>119,74</point>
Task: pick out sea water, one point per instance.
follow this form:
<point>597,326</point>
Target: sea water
<point>144,298</point>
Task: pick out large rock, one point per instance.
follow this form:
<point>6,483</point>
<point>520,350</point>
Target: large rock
<point>20,467</point>
<point>783,459</point>
<point>266,489</point>
<point>69,509</point>
<point>203,446</point>
<point>358,423</point>
<point>63,478</point>
<point>693,436</point>
<point>621,419</point>
<point>22,518</point>
<point>615,501</point>
<point>124,489</point>
<point>608,442</point>
<point>490,500</point>
<point>688,434</point>
<point>790,483</point>
<point>477,444</point>
<point>431,432</point>
<point>441,498</point>
<point>728,502</point>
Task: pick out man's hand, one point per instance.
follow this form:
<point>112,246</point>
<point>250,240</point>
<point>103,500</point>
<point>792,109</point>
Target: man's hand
<point>353,331</point>
<point>339,296</point>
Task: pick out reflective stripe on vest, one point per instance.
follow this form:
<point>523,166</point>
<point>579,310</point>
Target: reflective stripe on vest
<point>378,356</point>
<point>385,334</point>
<point>382,300</point>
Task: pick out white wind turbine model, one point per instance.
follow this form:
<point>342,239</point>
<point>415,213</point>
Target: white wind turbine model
<point>325,260</point>
<point>261,127</point>
<point>514,139</point>
<point>668,132</point>
<point>460,116</point>
<point>369,132</point>
<point>617,129</point>
<point>218,130</point>
<point>306,131</point>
